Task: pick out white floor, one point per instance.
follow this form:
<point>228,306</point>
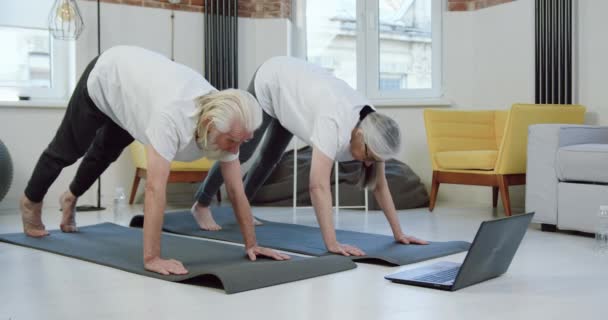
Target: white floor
<point>553,276</point>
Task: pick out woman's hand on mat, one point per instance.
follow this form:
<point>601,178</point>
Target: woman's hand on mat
<point>255,251</point>
<point>405,239</point>
<point>164,266</point>
<point>345,250</point>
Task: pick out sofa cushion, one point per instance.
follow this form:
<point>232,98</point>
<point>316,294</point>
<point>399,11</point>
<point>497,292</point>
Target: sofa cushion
<point>467,160</point>
<point>583,162</point>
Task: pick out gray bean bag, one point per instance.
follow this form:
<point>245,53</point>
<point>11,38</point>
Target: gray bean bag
<point>407,190</point>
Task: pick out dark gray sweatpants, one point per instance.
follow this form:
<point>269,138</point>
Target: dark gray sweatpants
<point>84,130</point>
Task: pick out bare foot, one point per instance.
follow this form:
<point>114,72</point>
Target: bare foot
<point>67,203</point>
<point>31,216</point>
<point>203,217</point>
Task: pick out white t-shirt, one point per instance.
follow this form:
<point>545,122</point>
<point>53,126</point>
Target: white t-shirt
<point>311,103</point>
<point>152,98</point>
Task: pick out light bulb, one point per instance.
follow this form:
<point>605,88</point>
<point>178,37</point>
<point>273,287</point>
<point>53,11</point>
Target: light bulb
<point>65,21</point>
<point>65,12</point>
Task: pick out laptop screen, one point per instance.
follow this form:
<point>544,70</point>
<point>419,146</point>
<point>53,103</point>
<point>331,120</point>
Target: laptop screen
<point>493,249</point>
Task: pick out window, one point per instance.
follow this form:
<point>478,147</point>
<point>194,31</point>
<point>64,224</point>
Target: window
<point>331,32</point>
<point>32,63</point>
<point>392,83</point>
<point>25,60</point>
<point>386,49</point>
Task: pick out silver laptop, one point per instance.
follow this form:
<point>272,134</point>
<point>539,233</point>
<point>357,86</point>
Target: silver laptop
<point>489,256</point>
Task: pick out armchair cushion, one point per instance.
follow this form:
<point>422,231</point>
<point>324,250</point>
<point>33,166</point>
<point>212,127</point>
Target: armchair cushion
<point>583,162</point>
<point>463,160</point>
<point>461,131</point>
<point>138,151</point>
<point>202,164</point>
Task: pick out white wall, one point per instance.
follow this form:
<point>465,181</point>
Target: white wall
<point>504,55</point>
<point>592,63</point>
<point>260,39</point>
<point>26,132</point>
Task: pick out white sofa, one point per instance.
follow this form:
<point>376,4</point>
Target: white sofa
<point>567,175</point>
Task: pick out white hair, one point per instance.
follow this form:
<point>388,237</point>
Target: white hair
<point>222,109</point>
<point>382,136</point>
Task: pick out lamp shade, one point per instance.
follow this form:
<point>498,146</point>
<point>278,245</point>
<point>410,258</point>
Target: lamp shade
<point>65,20</point>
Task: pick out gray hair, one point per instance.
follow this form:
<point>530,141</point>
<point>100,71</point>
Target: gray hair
<point>222,108</point>
<point>383,137</point>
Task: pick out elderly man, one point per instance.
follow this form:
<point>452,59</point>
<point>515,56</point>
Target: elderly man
<point>131,93</point>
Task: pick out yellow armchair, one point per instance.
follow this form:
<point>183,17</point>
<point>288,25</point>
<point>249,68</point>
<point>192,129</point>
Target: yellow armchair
<point>191,172</point>
<point>487,147</point>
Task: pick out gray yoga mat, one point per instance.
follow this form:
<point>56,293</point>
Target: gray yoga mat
<point>307,240</point>
<point>119,247</point>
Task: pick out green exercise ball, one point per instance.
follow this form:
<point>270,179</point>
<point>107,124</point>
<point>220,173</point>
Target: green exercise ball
<point>6,170</point>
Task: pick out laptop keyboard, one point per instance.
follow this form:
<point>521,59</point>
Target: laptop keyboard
<point>439,277</point>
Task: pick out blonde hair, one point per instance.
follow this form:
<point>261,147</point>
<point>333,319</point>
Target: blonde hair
<point>222,108</point>
<point>383,137</point>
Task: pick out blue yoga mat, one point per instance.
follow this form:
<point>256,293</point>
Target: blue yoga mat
<point>307,240</point>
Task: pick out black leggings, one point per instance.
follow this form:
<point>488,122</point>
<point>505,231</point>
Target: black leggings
<point>84,130</point>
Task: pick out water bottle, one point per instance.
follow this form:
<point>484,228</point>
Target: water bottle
<point>601,232</point>
<point>120,204</point>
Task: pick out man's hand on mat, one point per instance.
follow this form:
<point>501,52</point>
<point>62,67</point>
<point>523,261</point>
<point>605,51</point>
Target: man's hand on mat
<point>165,266</point>
<point>255,251</point>
<point>345,250</point>
<point>405,239</point>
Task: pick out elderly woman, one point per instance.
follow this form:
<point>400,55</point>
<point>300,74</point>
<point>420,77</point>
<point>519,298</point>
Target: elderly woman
<point>304,100</point>
<point>130,93</point>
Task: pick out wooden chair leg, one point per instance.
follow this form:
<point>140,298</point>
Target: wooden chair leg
<point>494,197</point>
<point>434,191</point>
<point>135,186</point>
<point>503,184</point>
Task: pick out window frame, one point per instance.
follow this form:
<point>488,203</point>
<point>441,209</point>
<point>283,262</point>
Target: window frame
<point>63,53</point>
<point>368,63</point>
<point>62,56</point>
<point>367,21</point>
